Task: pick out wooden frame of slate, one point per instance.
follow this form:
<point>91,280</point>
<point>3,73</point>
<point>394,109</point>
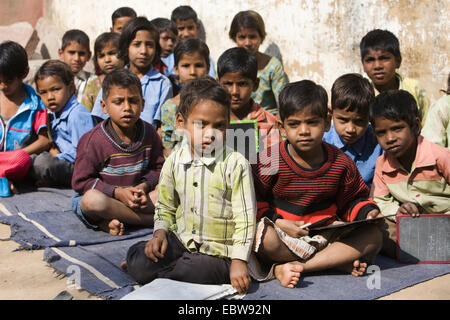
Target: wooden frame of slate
<point>232,140</point>
<point>423,239</point>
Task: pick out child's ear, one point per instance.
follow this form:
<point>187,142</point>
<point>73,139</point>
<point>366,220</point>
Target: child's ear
<point>103,105</point>
<point>180,121</point>
<point>418,127</point>
<point>175,70</point>
<point>255,85</point>
<point>328,123</point>
<point>60,53</point>
<point>27,70</point>
<point>398,61</point>
<point>72,87</point>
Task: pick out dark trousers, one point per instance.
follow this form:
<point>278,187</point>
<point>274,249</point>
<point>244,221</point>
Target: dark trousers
<point>178,264</point>
<point>51,170</point>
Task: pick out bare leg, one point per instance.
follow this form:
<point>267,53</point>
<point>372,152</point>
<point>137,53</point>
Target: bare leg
<point>110,214</point>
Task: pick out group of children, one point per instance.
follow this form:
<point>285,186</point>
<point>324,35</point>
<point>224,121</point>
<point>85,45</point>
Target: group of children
<point>142,144</point>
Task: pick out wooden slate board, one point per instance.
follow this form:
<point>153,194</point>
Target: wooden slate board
<point>425,239</point>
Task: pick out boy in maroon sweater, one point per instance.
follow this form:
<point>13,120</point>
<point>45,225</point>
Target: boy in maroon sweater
<point>304,180</point>
<point>118,162</point>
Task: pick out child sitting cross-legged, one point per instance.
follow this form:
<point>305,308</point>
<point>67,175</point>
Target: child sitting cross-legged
<point>118,162</point>
<point>206,210</point>
<point>305,180</point>
<point>413,175</point>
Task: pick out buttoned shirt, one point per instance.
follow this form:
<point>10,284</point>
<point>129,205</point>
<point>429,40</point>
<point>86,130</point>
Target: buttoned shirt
<point>208,202</point>
<point>437,126</point>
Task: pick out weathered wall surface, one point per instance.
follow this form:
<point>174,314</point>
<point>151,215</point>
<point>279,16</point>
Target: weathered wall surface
<point>12,11</point>
<point>318,39</point>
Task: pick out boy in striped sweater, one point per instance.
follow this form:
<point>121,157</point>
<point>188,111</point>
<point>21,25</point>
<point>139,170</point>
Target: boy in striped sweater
<point>304,180</point>
<point>118,162</point>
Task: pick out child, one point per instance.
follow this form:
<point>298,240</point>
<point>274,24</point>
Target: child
<point>351,95</point>
<point>188,26</point>
<point>413,175</point>
<point>139,48</point>
<point>120,17</point>
<point>76,53</point>
<point>237,70</point>
<point>191,62</point>
<point>205,197</point>
<point>118,162</point>
<point>106,59</point>
<point>23,129</point>
<point>248,31</point>
<point>68,121</point>
<point>314,181</point>
<point>436,127</point>
<point>380,56</point>
<point>167,39</point>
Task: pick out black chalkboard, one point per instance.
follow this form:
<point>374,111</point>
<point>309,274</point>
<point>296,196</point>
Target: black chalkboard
<point>424,239</point>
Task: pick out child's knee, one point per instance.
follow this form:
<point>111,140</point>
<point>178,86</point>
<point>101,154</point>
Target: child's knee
<point>93,201</point>
<point>139,267</point>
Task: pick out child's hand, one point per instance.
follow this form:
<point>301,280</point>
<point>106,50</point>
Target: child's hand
<point>408,208</point>
<point>292,228</point>
<point>375,213</point>
<point>128,197</point>
<point>240,280</point>
<point>53,150</point>
<point>156,247</point>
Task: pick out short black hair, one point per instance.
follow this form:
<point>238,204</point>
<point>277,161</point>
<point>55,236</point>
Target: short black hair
<point>395,105</point>
<point>378,39</point>
<point>238,60</point>
<point>76,35</point>
<point>53,68</point>
<point>352,92</point>
<point>189,47</point>
<point>183,13</point>
<point>123,12</point>
<point>163,25</point>
<point>205,88</point>
<point>297,96</point>
<point>13,60</point>
<point>122,78</point>
<point>129,33</point>
<point>102,40</point>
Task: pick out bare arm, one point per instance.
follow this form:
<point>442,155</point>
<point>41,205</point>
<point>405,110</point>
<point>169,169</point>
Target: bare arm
<point>42,143</point>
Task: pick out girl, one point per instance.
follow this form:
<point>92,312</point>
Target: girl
<point>191,62</point>
<point>139,49</point>
<point>23,129</point>
<point>247,30</point>
<point>68,120</point>
<point>106,59</point>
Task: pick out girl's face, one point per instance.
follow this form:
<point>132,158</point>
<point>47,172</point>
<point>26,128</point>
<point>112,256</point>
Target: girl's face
<point>107,58</point>
<point>54,92</point>
<point>191,67</point>
<point>9,87</point>
<point>141,51</point>
<point>248,39</point>
<point>167,41</point>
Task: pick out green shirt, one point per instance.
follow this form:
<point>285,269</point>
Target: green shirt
<point>208,203</point>
<point>437,128</point>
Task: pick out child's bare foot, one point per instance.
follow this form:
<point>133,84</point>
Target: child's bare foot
<point>13,188</point>
<point>288,274</point>
<point>114,227</point>
<point>359,268</point>
<point>123,266</point>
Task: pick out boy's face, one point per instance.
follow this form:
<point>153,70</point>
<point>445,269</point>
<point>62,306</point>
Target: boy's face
<point>187,28</point>
<point>380,66</point>
<point>395,137</point>
<point>75,55</point>
<point>167,41</point>
<point>9,87</point>
<point>249,39</point>
<point>119,23</point>
<point>240,88</point>
<point>124,107</point>
<point>142,50</point>
<point>350,125</point>
<point>305,131</point>
<point>108,59</point>
<point>205,126</point>
<point>54,92</point>
<point>191,67</point>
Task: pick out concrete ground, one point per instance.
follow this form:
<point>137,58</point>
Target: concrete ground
<point>25,276</point>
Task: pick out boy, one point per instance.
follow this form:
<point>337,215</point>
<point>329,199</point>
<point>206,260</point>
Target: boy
<point>23,129</point>
<point>188,26</point>
<point>351,95</point>
<point>380,56</point>
<point>313,181</point>
<point>238,73</point>
<point>120,17</point>
<point>67,119</point>
<point>205,215</point>
<point>413,175</point>
<point>118,162</point>
<point>76,53</point>
<point>167,39</point>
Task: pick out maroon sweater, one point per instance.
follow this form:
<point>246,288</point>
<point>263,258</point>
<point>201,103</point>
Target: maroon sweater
<point>286,190</point>
<point>104,162</point>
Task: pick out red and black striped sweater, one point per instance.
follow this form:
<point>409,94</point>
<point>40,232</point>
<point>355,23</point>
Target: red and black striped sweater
<point>286,190</point>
